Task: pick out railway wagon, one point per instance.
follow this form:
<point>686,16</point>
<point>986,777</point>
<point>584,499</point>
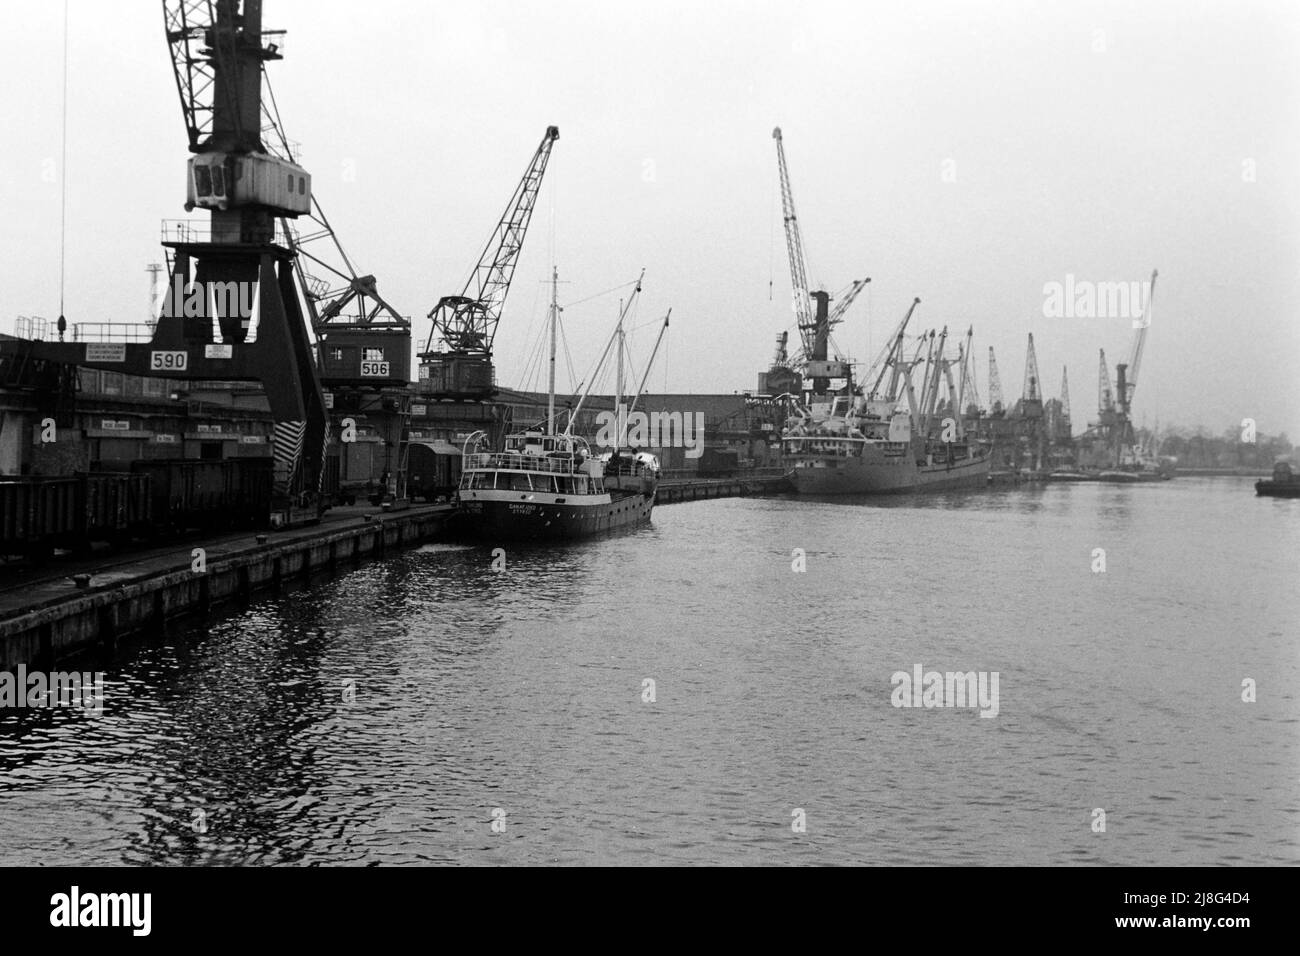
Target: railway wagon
<point>39,514</point>
<point>187,494</point>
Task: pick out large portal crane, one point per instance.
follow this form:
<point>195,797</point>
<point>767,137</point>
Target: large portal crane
<point>814,322</point>
<point>802,304</point>
<point>467,323</point>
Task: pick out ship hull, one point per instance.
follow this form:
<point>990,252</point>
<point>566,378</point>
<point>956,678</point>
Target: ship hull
<point>1277,489</point>
<point>873,475</point>
<point>504,515</point>
<point>1131,477</point>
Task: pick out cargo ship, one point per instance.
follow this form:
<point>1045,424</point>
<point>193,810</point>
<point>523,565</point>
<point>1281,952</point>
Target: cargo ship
<point>863,453</point>
<point>547,486</point>
<point>889,440</point>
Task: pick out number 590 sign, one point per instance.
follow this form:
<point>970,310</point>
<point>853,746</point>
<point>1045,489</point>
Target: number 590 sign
<point>169,361</point>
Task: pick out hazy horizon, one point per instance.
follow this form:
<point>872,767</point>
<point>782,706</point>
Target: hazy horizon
<point>966,153</point>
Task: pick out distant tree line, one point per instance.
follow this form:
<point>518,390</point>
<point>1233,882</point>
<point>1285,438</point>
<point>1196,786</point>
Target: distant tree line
<point>1198,448</point>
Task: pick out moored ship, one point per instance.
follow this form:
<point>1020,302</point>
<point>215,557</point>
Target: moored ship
<point>542,486</point>
<point>868,454</point>
<point>891,440</point>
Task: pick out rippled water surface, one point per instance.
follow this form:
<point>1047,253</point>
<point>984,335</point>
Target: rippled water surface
<point>521,692</point>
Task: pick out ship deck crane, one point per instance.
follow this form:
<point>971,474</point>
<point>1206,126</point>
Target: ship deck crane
<point>467,323</point>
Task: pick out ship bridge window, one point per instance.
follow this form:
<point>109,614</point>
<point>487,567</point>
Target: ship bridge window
<point>481,479</point>
<point>202,180</point>
<point>519,482</point>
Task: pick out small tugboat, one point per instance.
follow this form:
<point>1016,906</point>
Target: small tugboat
<point>547,486</point>
<point>1284,484</point>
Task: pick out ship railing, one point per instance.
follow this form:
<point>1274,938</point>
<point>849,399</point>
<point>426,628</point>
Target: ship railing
<point>518,462</point>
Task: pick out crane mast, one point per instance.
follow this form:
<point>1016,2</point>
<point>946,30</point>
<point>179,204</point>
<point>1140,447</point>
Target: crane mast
<point>467,323</point>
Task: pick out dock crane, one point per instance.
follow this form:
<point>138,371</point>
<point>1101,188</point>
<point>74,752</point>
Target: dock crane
<point>467,323</point>
<point>218,51</point>
<point>1105,395</point>
<point>996,408</point>
<point>814,322</point>
<point>1030,406</point>
<point>1126,376</point>
<point>1060,430</point>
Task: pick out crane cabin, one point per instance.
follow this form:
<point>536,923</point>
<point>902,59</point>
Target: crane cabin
<point>219,180</point>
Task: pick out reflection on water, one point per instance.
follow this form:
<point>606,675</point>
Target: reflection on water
<point>383,715</point>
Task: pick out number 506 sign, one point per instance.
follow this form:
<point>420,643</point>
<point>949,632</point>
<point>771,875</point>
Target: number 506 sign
<point>169,361</point>
<point>374,370</point>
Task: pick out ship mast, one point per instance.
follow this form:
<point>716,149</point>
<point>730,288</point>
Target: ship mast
<point>618,379</point>
<point>550,392</point>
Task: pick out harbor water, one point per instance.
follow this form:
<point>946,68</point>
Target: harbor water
<point>718,687</point>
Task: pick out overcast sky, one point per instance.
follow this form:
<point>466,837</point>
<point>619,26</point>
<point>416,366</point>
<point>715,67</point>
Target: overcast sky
<point>967,153</point>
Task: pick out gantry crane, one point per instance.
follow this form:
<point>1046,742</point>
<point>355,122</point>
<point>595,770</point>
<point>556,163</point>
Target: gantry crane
<point>218,50</point>
<point>467,323</point>
<point>814,321</point>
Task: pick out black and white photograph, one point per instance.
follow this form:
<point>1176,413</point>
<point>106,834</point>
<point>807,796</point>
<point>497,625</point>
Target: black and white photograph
<point>573,434</point>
